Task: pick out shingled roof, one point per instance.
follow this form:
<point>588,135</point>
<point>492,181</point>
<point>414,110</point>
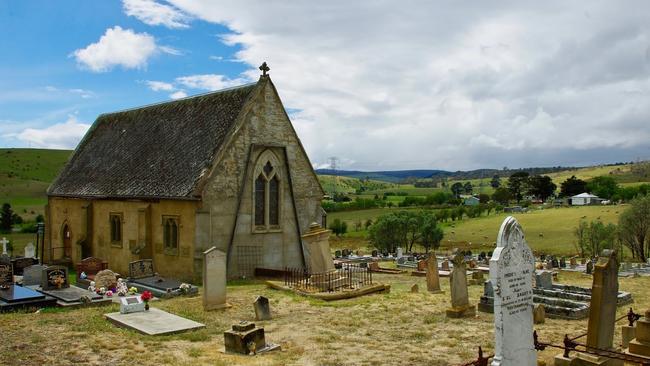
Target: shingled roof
<point>157,151</point>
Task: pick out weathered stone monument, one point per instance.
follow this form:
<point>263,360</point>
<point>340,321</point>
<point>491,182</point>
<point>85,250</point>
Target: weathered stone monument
<point>539,314</point>
<point>445,264</point>
<point>589,267</point>
<point>415,289</point>
<point>460,306</point>
<point>602,314</point>
<point>4,243</point>
<point>511,273</point>
<point>214,279</point>
<point>399,253</point>
<point>433,280</point>
<point>317,249</point>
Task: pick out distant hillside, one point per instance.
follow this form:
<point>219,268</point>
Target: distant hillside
<point>25,175</point>
<point>386,176</point>
<point>349,185</point>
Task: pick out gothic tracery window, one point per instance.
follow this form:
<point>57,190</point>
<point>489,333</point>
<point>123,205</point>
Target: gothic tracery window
<point>267,196</point>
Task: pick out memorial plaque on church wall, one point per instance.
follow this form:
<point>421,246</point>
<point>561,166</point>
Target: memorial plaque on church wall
<point>511,274</point>
<point>54,278</point>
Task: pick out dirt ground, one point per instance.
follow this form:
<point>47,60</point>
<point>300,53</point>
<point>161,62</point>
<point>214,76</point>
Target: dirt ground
<point>399,328</point>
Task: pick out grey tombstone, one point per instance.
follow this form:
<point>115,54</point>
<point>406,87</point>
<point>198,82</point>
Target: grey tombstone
<point>544,279</point>
<point>262,308</point>
<point>589,267</point>
<point>30,251</point>
<point>511,269</point>
<point>32,275</point>
<point>460,306</point>
<point>6,274</point>
<point>562,262</point>
<point>214,279</point>
<point>399,252</point>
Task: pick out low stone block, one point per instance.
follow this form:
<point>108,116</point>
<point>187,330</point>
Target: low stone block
<point>627,334</point>
<point>560,360</point>
<point>244,341</point>
<point>462,312</point>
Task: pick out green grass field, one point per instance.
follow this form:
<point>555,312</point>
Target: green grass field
<point>25,175</point>
<point>554,224</point>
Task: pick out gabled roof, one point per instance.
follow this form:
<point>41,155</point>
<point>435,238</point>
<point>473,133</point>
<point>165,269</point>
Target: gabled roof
<point>156,151</point>
<point>585,195</point>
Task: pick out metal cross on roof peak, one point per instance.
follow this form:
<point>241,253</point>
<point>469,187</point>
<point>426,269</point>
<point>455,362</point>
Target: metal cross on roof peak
<point>265,68</point>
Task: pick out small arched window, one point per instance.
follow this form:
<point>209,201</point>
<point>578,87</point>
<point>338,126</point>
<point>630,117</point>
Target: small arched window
<point>116,227</point>
<point>170,233</point>
<point>267,193</point>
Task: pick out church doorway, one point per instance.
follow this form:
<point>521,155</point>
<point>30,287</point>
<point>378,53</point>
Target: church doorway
<point>67,241</point>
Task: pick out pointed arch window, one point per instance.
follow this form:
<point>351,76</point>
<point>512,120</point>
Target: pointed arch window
<point>267,194</point>
<point>171,234</point>
<point>116,228</point>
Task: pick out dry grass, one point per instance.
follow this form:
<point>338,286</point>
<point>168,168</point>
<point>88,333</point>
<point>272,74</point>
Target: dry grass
<point>383,329</point>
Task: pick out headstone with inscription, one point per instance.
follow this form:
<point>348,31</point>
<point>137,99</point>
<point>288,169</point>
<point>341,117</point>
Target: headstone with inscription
<point>214,279</point>
<point>399,252</point>
<point>460,306</point>
<point>511,274</point>
<point>32,275</point>
<point>590,267</point>
<point>433,280</point>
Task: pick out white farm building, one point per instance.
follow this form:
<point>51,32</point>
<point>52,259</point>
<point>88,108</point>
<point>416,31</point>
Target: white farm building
<point>584,199</point>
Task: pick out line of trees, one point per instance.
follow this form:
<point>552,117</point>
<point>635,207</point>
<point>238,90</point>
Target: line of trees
<point>632,232</point>
<point>406,228</point>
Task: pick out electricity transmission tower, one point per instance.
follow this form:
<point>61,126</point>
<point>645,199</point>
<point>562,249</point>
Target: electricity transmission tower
<point>333,160</point>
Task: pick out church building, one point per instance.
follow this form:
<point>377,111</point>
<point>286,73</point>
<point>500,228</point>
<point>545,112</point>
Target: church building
<point>170,180</point>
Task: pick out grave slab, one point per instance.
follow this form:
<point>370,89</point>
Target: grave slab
<point>153,322</point>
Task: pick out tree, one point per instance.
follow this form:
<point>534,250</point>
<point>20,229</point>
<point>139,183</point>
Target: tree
<point>580,232</point>
<point>339,227</point>
<point>634,227</point>
<point>386,233</point>
<point>502,195</point>
<point>518,184</point>
<point>483,198</point>
<point>6,218</point>
<point>457,188</point>
<point>603,187</point>
<point>468,188</point>
<point>572,186</point>
<point>495,182</point>
<point>431,233</point>
<point>541,186</point>
<point>368,223</point>
<point>600,236</point>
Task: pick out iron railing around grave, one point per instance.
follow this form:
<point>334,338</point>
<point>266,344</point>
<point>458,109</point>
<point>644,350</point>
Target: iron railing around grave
<point>570,344</point>
<point>349,276</point>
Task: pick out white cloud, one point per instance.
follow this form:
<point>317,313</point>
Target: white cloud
<point>454,86</point>
<point>83,93</point>
<point>117,47</point>
<point>178,95</point>
<point>209,81</point>
<point>153,13</point>
<point>159,85</point>
<point>170,50</point>
<point>64,135</point>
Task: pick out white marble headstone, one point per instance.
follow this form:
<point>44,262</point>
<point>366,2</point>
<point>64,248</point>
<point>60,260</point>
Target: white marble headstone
<point>4,243</point>
<point>511,273</point>
<point>30,251</point>
<point>399,252</point>
<point>214,279</point>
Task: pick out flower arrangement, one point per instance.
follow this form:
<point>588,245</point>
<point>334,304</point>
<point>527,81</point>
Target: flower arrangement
<point>109,293</point>
<point>92,288</point>
<point>83,275</point>
<point>133,290</point>
<point>102,291</point>
<point>121,289</point>
<point>146,296</point>
<point>185,287</point>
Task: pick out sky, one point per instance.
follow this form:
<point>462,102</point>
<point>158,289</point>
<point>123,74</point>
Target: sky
<point>381,85</point>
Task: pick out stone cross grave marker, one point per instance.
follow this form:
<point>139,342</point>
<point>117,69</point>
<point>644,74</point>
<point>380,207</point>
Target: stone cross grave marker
<point>460,306</point>
<point>30,251</point>
<point>511,274</point>
<point>4,243</point>
<point>214,279</point>
<point>433,280</point>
